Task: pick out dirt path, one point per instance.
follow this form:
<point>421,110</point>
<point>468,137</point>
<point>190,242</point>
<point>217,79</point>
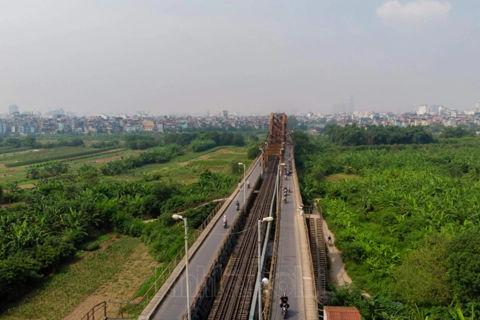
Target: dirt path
<point>27,186</point>
<point>120,288</point>
<point>337,268</point>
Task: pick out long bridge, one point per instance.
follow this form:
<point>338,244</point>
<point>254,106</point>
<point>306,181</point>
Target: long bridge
<point>271,246</point>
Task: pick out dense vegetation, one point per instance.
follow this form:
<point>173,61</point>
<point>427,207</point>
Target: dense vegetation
<point>69,208</point>
<point>159,155</point>
<point>353,135</point>
<point>220,139</point>
<point>406,218</point>
<point>198,141</point>
<point>141,141</point>
<point>55,218</point>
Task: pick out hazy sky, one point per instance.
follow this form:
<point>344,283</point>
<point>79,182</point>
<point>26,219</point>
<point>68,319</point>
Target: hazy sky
<point>244,56</point>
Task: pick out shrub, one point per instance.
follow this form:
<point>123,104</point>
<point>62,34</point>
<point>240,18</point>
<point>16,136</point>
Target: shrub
<point>253,152</point>
<point>463,256</point>
<point>202,145</point>
<point>353,251</point>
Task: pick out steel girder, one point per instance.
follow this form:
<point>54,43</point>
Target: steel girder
<point>276,140</point>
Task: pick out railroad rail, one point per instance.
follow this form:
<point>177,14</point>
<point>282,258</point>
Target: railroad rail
<point>236,288</point>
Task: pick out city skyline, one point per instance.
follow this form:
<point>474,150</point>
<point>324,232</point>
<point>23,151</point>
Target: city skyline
<point>251,58</point>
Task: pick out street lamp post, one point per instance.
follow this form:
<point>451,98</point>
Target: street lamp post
<point>259,275</point>
<point>179,217</point>
<point>280,174</point>
<point>261,161</point>
<point>244,184</point>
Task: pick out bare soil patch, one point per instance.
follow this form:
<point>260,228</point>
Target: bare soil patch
<point>27,186</point>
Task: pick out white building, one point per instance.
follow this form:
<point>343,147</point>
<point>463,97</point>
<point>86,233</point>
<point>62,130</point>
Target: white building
<point>422,109</point>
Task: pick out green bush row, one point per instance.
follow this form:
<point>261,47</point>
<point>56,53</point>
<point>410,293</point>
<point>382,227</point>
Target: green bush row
<point>10,150</point>
<point>74,156</point>
<point>160,155</point>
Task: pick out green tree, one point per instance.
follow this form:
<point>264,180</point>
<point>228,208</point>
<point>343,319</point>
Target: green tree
<point>292,122</point>
<point>421,278</point>
<point>253,152</point>
<point>253,137</point>
<point>464,266</point>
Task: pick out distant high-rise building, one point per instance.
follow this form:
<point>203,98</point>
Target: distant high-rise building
<point>225,113</point>
<point>434,108</point>
<point>339,108</point>
<point>477,107</point>
<point>12,109</point>
<point>57,111</point>
<point>422,109</point>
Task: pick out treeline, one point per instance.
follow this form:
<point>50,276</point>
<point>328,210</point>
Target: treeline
<point>106,144</point>
<point>16,142</point>
<point>75,142</point>
<point>31,142</point>
<point>458,132</point>
<point>220,139</point>
<point>160,155</point>
<point>56,218</point>
<point>141,141</point>
<point>353,135</point>
<point>198,141</point>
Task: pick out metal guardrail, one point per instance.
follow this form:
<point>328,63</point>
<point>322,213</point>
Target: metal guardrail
<point>310,256</point>
<point>268,298</point>
<point>213,264</point>
<point>306,236</point>
<point>221,248</point>
<point>90,315</point>
<point>178,257</point>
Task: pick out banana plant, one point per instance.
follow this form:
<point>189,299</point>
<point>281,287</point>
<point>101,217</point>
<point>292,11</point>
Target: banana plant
<point>457,314</point>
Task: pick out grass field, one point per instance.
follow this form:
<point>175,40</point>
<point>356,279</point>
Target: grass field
<point>18,174</point>
<point>106,274</point>
<point>184,169</point>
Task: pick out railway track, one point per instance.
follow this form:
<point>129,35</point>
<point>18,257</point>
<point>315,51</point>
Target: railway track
<point>236,288</point>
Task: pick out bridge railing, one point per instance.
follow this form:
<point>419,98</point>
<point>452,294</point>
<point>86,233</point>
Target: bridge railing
<point>218,253</point>
<point>268,298</point>
<point>178,257</point>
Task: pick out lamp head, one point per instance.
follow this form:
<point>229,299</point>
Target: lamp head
<point>267,219</point>
<point>177,217</point>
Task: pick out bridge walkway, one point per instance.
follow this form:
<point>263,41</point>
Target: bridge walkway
<point>173,304</point>
<point>293,271</point>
